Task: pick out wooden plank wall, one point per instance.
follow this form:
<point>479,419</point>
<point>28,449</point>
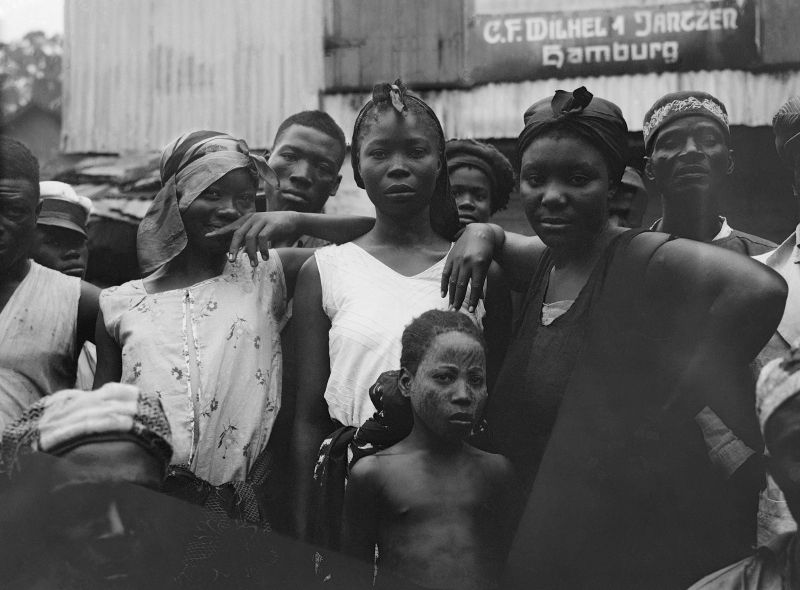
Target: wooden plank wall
<point>369,41</point>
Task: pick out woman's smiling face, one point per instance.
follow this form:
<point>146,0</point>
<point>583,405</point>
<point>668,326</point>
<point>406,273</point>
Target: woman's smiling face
<point>221,203</point>
<point>399,162</point>
<point>565,187</point>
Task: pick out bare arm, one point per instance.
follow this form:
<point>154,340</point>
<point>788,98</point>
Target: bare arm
<point>360,530</point>
<point>292,260</point>
<point>109,355</point>
<point>473,253</point>
<point>731,306</point>
<point>88,308</point>
<point>254,232</point>
<point>311,421</point>
<point>507,503</point>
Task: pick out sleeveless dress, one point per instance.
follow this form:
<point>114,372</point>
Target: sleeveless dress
<point>523,407</point>
<point>37,339</point>
<point>212,352</point>
<point>369,306</point>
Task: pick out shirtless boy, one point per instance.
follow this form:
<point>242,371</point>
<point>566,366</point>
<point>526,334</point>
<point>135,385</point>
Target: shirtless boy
<point>435,506</point>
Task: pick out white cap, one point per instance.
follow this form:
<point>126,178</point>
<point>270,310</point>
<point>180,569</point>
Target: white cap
<point>52,189</point>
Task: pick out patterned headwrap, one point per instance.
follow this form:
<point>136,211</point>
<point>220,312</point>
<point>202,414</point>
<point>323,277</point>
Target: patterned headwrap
<point>489,160</point>
<point>597,120</point>
<point>683,104</point>
<point>189,165</point>
<point>443,210</point>
<point>786,126</point>
<point>70,418</point>
<point>778,382</point>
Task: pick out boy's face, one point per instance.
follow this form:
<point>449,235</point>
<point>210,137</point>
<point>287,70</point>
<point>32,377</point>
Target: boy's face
<point>472,191</point>
<point>448,392</point>
<point>61,249</point>
<point>307,163</point>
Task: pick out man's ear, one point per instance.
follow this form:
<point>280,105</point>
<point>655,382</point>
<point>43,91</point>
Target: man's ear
<point>731,162</point>
<point>648,169</point>
<point>335,186</point>
<point>404,382</point>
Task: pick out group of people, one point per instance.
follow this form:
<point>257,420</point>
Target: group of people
<point>422,398</point>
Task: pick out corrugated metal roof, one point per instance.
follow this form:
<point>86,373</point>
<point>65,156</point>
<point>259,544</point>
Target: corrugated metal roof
<point>495,110</point>
<point>140,72</point>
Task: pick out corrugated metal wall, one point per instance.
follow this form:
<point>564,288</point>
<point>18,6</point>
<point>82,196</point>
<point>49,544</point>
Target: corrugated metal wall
<point>369,41</point>
<point>139,72</point>
<point>495,110</point>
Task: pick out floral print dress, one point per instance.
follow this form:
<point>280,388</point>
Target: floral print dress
<point>212,352</point>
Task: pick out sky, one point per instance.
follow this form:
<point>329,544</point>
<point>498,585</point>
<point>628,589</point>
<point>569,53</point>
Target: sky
<point>18,17</point>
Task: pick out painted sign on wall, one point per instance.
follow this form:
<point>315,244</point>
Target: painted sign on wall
<point>715,34</point>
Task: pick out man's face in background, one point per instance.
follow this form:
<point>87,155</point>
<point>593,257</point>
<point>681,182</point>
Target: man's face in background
<point>307,162</point>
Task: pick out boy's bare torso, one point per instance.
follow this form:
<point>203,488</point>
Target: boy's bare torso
<point>441,522</point>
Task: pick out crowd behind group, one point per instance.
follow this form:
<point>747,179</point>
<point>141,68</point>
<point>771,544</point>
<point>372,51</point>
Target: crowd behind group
<point>416,400</point>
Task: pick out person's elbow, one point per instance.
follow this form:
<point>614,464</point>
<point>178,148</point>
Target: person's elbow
<point>768,293</point>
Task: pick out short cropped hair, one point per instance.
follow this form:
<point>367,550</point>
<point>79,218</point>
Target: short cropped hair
<point>319,120</point>
<point>420,333</point>
<point>17,161</point>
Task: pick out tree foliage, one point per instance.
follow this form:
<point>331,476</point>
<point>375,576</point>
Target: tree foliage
<point>30,72</point>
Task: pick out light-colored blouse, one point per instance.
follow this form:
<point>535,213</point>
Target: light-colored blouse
<point>212,352</point>
<point>369,305</point>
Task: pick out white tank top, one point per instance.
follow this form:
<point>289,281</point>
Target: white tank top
<point>369,305</point>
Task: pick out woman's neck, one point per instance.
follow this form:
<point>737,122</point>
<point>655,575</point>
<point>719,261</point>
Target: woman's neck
<point>186,269</point>
<point>411,231</point>
<point>585,253</point>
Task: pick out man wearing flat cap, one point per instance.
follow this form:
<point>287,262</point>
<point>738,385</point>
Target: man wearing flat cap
<point>62,244</point>
<point>61,229</point>
<point>688,159</point>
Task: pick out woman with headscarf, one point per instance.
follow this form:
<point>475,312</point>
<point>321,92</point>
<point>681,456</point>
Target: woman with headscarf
<point>624,401</point>
<point>202,329</point>
<point>354,300</point>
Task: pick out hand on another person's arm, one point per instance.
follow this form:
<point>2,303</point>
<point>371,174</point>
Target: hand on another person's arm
<point>255,232</point>
<point>469,260</point>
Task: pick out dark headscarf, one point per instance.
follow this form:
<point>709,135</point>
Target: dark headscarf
<point>443,210</point>
<point>597,120</point>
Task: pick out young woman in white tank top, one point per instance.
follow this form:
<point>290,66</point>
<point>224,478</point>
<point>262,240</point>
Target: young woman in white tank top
<point>353,301</point>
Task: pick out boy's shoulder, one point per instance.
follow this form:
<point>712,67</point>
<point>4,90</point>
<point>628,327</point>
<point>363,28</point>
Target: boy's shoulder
<point>495,463</point>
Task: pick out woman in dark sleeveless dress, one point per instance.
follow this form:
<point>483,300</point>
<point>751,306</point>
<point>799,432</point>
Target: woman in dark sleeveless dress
<point>623,402</point>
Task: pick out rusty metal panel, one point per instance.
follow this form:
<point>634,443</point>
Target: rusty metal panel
<point>140,72</point>
<point>418,40</point>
